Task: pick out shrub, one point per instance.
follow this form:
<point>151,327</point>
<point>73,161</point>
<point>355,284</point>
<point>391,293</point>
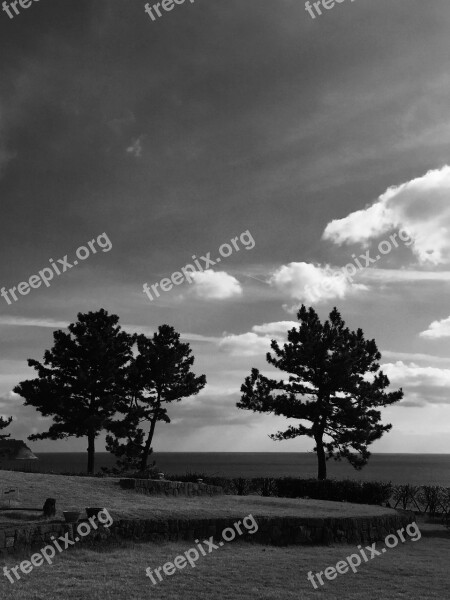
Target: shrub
<point>265,486</point>
<point>376,492</point>
<point>189,477</point>
<point>432,497</point>
<point>405,494</point>
<point>151,472</point>
<point>242,486</point>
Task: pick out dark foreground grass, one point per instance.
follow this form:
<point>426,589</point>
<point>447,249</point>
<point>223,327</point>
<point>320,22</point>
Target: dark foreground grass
<point>238,571</point>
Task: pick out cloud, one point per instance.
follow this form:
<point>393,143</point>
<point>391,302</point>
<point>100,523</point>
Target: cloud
<point>276,329</point>
<point>245,344</point>
<point>422,385</point>
<point>313,283</point>
<point>53,324</point>
<point>25,322</point>
<point>208,410</point>
<point>136,147</point>
<point>24,417</point>
<point>414,356</point>
<point>150,331</point>
<point>437,329</point>
<point>216,285</point>
<point>420,208</point>
<point>360,226</point>
<point>257,341</point>
<point>414,375</point>
<point>121,122</point>
<point>402,275</point>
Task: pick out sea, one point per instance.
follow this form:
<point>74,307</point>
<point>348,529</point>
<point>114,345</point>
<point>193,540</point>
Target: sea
<point>416,469</point>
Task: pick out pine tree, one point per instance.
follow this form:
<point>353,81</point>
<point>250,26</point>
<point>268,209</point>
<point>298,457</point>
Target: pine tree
<point>160,374</point>
<point>334,389</point>
<point>81,380</point>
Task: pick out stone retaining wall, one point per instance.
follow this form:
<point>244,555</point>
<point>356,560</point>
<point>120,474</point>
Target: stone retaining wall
<point>271,531</point>
<point>157,487</point>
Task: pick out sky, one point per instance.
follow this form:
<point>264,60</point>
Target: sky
<point>315,144</point>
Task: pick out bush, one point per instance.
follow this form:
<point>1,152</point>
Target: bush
<point>189,477</point>
<point>404,495</point>
<point>433,498</point>
<point>445,504</point>
<point>376,492</point>
<point>368,492</point>
<point>151,472</point>
<point>265,486</point>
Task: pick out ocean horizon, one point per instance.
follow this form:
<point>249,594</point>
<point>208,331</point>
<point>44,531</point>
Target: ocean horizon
<point>399,468</point>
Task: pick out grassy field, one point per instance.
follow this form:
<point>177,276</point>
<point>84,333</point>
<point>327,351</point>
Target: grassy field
<point>80,492</point>
<point>237,571</point>
<point>240,571</point>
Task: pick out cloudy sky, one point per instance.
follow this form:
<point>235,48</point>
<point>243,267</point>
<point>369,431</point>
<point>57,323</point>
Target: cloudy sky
<point>325,142</point>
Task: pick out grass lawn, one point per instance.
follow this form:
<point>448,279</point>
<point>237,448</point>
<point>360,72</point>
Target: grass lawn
<point>239,571</point>
<point>80,492</point>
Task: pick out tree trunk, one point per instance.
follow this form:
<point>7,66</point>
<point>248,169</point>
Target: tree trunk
<point>148,444</point>
<point>322,462</point>
<point>91,453</point>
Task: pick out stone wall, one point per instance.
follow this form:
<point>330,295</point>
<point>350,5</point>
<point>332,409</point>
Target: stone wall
<point>157,487</point>
<point>15,538</point>
<point>271,531</point>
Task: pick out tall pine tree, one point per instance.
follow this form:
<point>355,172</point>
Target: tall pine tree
<point>159,375</point>
<point>334,389</point>
<point>81,380</point>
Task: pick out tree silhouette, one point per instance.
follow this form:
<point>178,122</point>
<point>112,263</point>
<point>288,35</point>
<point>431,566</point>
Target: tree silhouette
<point>334,384</point>
<point>158,375</point>
<point>81,380</point>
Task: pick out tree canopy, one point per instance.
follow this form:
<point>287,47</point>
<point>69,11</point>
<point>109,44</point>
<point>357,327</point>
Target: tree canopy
<point>334,388</point>
<point>159,374</point>
<point>81,380</point>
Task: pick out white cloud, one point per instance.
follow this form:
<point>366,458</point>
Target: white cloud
<point>197,337</point>
<point>245,344</point>
<point>216,285</point>
<point>420,208</point>
<point>25,322</point>
<point>422,385</point>
<point>257,341</point>
<point>53,324</point>
<point>414,356</point>
<point>136,148</point>
<point>211,389</point>
<point>313,283</point>
<point>276,329</point>
<point>437,329</point>
<point>185,337</point>
<point>360,226</point>
<point>413,375</point>
<point>402,275</point>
